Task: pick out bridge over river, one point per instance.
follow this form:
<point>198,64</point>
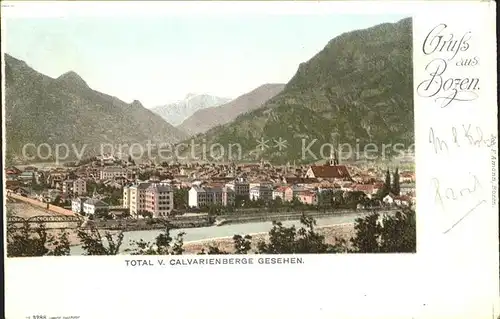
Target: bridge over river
<point>55,221</point>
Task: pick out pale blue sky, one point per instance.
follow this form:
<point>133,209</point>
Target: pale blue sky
<point>157,60</point>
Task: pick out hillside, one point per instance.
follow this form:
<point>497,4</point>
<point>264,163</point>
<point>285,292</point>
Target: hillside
<point>358,87</point>
<point>176,113</point>
<point>40,109</point>
<point>203,120</point>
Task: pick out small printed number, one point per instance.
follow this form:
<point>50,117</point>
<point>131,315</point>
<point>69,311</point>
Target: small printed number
<point>38,317</point>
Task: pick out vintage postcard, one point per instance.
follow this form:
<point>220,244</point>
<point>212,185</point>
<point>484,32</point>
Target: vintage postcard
<point>183,144</point>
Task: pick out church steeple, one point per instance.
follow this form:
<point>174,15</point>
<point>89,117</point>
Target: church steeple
<point>333,158</point>
<point>333,151</point>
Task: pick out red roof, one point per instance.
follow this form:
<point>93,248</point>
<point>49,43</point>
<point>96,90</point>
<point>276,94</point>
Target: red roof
<point>326,171</point>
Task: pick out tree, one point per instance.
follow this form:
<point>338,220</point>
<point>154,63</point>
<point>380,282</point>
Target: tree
<point>95,244</point>
<point>387,182</point>
<point>389,234</point>
<point>399,233</point>
<point>386,189</point>
<point>28,241</point>
<point>242,244</point>
<point>241,200</point>
<point>181,198</point>
<point>367,234</point>
<point>395,183</point>
<point>289,240</point>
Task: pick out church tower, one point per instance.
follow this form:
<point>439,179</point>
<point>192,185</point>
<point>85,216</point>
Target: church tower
<point>333,158</point>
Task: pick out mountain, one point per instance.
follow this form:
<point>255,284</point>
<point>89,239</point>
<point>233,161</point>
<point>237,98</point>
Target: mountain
<point>40,109</point>
<point>203,120</point>
<point>177,112</point>
<point>358,89</point>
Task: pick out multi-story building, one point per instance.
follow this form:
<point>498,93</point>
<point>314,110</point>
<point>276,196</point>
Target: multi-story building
<point>292,192</point>
<point>126,197</point>
<point>159,200</point>
<point>91,206</point>
<point>261,191</point>
<point>112,172</point>
<point>76,187</point>
<point>308,197</point>
<point>204,196</point>
<point>77,204</point>
<point>279,192</point>
<point>198,197</point>
<point>79,187</point>
<point>136,198</point>
<point>240,187</point>
<point>67,186</point>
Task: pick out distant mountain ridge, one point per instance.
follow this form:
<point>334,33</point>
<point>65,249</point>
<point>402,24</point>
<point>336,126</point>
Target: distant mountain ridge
<point>205,119</point>
<point>40,109</point>
<point>358,89</point>
<point>176,113</point>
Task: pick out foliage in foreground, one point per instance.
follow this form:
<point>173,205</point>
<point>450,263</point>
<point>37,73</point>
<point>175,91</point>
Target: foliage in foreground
<point>373,234</point>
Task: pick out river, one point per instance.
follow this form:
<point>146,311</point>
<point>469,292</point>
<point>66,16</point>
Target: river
<point>212,232</point>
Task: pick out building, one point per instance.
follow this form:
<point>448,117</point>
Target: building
<point>79,187</point>
<point>137,198</point>
<point>407,177</point>
<point>26,177</point>
<point>77,204</point>
<point>112,172</point>
<point>308,197</point>
<point>76,187</point>
<point>91,206</point>
<point>292,192</point>
<point>299,180</point>
<point>330,171</point>
<point>240,187</point>
<point>205,196</point>
<point>67,186</point>
<point>402,201</point>
<point>261,192</point>
<point>279,192</point>
<point>336,172</point>
<point>159,200</point>
<point>406,189</point>
<point>389,199</point>
<point>126,197</point>
<point>197,196</point>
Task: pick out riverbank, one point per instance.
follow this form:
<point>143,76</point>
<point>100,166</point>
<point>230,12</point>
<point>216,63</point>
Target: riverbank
<point>332,233</point>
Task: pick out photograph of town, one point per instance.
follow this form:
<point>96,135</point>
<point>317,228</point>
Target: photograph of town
<point>209,134</point>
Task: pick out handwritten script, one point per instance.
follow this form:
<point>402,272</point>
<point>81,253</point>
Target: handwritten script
<point>460,136</point>
<point>444,195</point>
<point>447,47</point>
